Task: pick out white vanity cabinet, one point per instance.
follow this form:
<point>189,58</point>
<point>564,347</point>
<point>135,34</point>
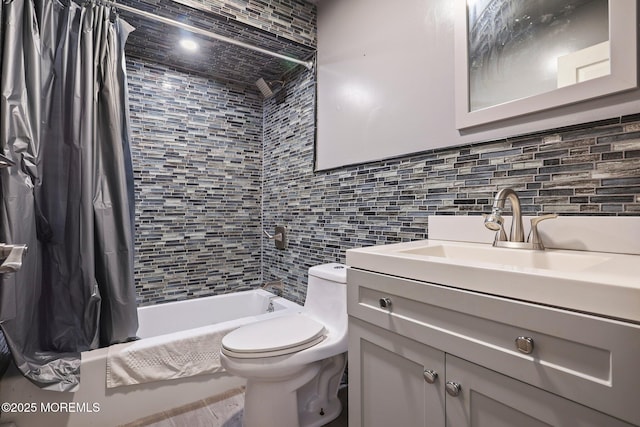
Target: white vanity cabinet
<point>516,363</point>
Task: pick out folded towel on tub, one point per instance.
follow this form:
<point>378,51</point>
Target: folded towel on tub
<point>176,355</point>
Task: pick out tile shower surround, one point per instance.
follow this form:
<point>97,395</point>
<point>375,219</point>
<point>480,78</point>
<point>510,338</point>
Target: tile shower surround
<point>210,163</point>
<point>292,19</point>
<point>159,43</point>
<point>196,148</point>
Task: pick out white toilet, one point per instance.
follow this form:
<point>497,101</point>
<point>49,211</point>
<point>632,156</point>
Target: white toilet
<point>293,364</point>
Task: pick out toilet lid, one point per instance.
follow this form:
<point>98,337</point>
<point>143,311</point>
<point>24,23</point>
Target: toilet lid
<point>273,337</point>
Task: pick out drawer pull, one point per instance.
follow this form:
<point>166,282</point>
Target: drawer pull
<point>453,389</point>
<point>430,376</point>
<point>385,302</point>
<point>524,344</point>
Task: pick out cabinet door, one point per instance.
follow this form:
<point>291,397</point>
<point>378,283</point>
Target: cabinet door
<point>490,399</point>
<point>392,381</point>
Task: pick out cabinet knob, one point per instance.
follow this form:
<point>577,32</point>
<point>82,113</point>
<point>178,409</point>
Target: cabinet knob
<point>453,388</point>
<point>430,376</point>
<point>524,344</point>
<point>385,302</point>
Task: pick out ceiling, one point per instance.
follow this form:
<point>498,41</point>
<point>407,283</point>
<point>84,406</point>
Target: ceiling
<point>159,42</point>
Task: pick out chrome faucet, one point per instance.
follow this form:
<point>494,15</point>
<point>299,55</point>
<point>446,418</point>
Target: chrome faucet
<point>494,221</point>
<point>276,285</point>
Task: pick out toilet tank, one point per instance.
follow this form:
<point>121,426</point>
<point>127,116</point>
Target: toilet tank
<point>327,294</point>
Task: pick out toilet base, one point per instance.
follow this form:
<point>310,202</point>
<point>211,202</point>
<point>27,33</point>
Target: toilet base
<point>307,399</point>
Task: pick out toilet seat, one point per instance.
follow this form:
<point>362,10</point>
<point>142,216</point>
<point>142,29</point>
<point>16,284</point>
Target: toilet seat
<point>273,337</point>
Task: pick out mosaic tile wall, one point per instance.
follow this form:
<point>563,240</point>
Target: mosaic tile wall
<point>583,170</point>
<point>197,141</point>
<point>196,147</point>
<point>292,19</point>
<point>158,42</point>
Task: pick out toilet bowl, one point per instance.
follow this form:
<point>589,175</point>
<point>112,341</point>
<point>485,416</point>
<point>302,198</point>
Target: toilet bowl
<point>294,363</point>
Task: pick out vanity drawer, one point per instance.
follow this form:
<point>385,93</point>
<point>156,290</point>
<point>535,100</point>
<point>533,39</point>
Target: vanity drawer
<point>588,359</point>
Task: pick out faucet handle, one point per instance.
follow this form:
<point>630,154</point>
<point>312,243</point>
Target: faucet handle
<point>534,237</point>
<point>536,220</point>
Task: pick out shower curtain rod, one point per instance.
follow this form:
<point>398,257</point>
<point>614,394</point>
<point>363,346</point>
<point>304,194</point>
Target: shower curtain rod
<point>154,17</point>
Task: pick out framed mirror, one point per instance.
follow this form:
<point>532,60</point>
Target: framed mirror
<point>515,57</point>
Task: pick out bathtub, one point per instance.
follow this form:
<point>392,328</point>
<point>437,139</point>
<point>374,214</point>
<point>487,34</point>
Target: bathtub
<point>95,405</point>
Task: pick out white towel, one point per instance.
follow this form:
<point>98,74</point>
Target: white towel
<point>176,355</point>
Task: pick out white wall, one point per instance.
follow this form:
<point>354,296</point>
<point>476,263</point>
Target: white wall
<point>386,84</point>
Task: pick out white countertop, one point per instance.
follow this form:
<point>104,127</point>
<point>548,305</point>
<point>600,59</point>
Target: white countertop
<point>601,283</point>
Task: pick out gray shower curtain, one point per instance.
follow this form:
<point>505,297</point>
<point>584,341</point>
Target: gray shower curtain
<point>69,197</point>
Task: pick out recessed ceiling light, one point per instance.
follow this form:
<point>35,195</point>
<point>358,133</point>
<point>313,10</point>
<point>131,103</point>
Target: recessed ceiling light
<point>189,44</point>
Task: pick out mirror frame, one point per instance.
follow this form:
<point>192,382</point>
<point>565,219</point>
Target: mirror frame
<point>624,71</point>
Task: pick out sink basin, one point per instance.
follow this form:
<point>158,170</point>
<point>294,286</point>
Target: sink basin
<point>548,260</point>
<point>592,282</point>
